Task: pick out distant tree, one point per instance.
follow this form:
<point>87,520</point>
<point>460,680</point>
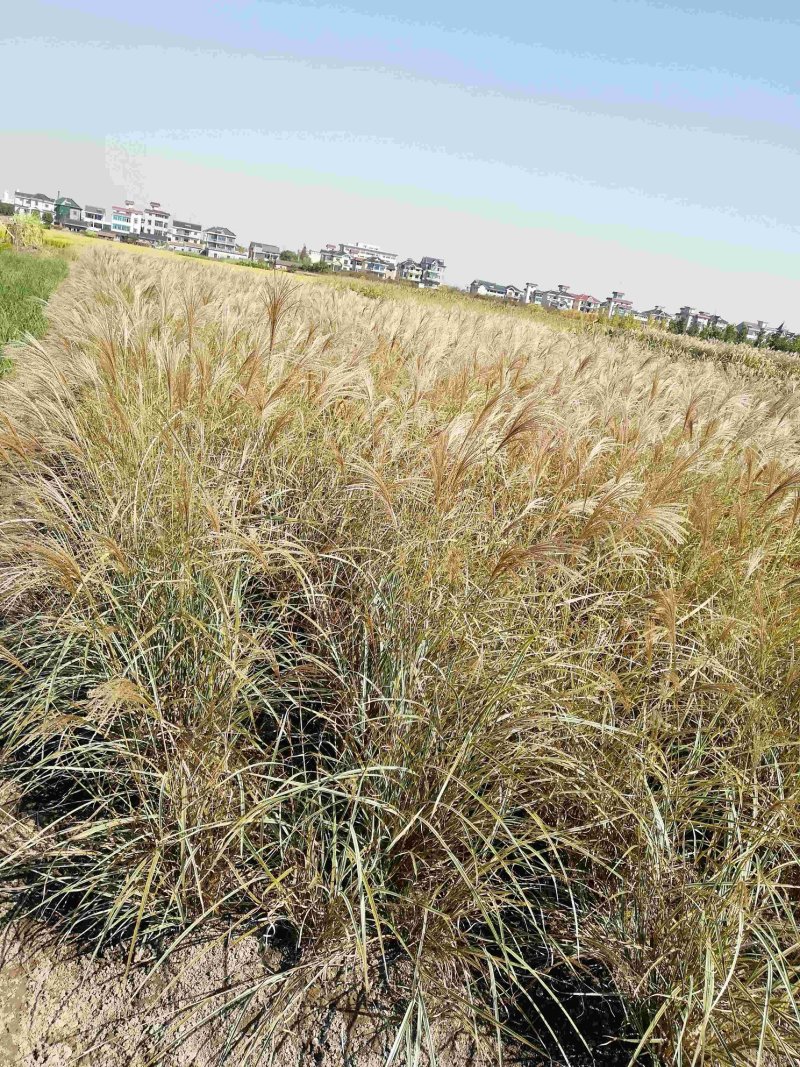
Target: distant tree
<point>678,326</point>
<point>36,213</point>
<point>777,340</point>
<point>693,329</point>
<point>47,219</point>
<point>289,257</point>
<point>729,333</point>
<point>741,333</point>
<point>6,209</point>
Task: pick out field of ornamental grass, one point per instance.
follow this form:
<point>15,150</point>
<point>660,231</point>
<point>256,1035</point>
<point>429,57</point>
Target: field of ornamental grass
<point>447,653</point>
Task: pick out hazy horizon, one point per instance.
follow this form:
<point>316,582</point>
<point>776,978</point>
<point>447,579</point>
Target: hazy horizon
<point>642,146</point>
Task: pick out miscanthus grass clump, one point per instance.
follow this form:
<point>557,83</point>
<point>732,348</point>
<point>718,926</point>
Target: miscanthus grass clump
<point>445,651</point>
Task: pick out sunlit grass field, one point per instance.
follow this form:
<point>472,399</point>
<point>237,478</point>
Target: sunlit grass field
<point>452,651</point>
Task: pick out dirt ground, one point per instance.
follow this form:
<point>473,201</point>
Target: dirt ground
<point>60,1010</point>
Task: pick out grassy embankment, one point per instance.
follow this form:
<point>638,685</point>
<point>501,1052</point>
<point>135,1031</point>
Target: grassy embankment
<point>453,653</point>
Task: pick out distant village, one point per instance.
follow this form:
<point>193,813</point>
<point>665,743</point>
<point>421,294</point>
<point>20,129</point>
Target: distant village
<point>152,224</point>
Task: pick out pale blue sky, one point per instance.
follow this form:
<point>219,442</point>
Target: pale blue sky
<point>629,144</point>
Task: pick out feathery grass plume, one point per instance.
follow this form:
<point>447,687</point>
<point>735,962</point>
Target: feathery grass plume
<point>451,654</point>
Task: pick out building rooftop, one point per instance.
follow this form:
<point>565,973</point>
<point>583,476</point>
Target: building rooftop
<point>221,230</point>
<point>492,285</point>
<point>96,210</point>
<point>187,225</point>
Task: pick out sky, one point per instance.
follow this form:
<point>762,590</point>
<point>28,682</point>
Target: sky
<point>646,146</point>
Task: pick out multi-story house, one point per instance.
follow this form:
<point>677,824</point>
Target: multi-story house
<point>479,287</point>
<point>754,331</point>
<point>585,302</point>
<point>220,243</point>
<point>94,216</point>
<point>372,259</point>
<point>121,219</point>
<point>336,258</point>
<point>68,214</point>
<point>361,257</point>
<point>692,318</point>
<point>410,271</point>
<point>27,203</point>
<point>150,221</point>
<point>186,237</point>
<point>559,298</point>
<point>616,304</point>
<point>700,320</point>
<point>433,270</point>
<point>427,273</point>
<point>657,314</point>
<point>259,252</point>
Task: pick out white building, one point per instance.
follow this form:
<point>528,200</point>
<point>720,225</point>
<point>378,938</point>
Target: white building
<point>149,221</point>
<point>560,298</point>
<point>95,216</point>
<point>336,258</point>
<point>433,270</point>
<point>186,237</point>
<point>410,271</point>
<point>479,287</point>
<point>586,303</point>
<point>616,304</point>
<point>361,257</point>
<point>220,243</point>
<point>754,331</point>
<point>259,252</point>
<point>27,203</point>
<point>657,314</point>
<point>426,274</point>
<point>121,219</point>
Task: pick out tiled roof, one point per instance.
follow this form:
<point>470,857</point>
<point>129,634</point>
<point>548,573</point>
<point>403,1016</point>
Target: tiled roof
<point>221,230</point>
<point>96,210</point>
<point>187,225</point>
<point>34,196</point>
